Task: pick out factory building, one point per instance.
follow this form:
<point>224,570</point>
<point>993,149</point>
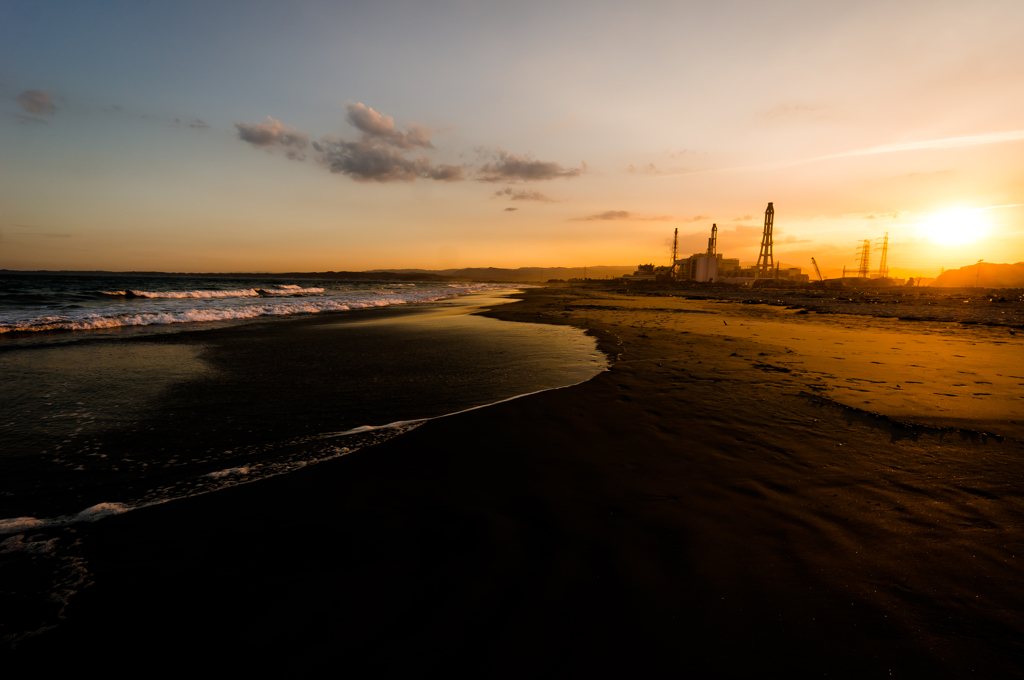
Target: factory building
<point>704,267</point>
<point>644,272</point>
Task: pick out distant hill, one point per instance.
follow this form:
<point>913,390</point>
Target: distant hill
<point>985,274</point>
<point>470,273</point>
<point>332,275</point>
<point>525,273</point>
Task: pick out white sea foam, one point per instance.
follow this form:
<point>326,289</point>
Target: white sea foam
<point>19,544</point>
<point>290,290</point>
<point>158,308</point>
<point>192,294</point>
<point>397,425</point>
<point>67,575</point>
<point>17,525</point>
<point>93,321</point>
<point>229,472</point>
<point>283,289</point>
<point>99,511</point>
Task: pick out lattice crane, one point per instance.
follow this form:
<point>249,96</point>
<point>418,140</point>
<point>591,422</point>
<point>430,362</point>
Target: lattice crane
<point>765,260</point>
<point>816,270</point>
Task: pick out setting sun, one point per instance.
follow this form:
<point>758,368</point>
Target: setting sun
<point>956,227</point>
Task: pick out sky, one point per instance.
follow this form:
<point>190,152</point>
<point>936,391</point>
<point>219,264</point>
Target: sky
<point>313,136</point>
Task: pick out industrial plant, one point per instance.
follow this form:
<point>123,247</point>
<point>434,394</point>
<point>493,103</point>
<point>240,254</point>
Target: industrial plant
<point>712,266</point>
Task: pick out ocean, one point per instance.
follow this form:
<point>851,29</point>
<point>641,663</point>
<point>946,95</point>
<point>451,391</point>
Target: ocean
<point>57,302</point>
<point>119,393</point>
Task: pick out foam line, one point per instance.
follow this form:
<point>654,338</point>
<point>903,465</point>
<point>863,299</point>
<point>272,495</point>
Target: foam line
<point>17,525</point>
<point>291,302</point>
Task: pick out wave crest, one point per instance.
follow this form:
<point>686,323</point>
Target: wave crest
<point>285,299</point>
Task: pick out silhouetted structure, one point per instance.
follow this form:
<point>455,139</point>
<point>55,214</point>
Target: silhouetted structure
<point>863,274</point>
<point>883,265</point>
<point>816,270</point>
<point>644,272</point>
<point>711,266</point>
<point>765,260</point>
<point>863,260</point>
<point>648,272</point>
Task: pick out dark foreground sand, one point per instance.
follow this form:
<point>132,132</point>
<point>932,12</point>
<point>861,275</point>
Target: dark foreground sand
<point>693,511</point>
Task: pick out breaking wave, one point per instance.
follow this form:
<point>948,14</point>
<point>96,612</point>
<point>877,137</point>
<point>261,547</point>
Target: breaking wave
<point>206,294</point>
<point>171,307</point>
<point>90,322</point>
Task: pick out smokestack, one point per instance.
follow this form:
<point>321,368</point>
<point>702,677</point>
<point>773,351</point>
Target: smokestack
<point>713,241</point>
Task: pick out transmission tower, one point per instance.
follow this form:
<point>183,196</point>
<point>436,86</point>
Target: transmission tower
<point>765,261</point>
<point>713,240</point>
<point>864,255</point>
<point>883,265</point>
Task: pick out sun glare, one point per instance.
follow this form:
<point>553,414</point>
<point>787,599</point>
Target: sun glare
<point>956,227</point>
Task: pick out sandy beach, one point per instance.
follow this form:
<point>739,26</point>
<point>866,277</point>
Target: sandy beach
<point>512,340</point>
<point>748,491</point>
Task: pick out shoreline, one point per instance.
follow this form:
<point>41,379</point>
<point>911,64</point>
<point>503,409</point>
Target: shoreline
<point>105,407</point>
<point>668,513</point>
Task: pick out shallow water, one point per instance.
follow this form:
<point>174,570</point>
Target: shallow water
<point>98,423</point>
<point>136,420</point>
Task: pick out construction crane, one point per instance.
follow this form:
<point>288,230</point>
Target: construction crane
<point>816,270</point>
<point>765,261</point>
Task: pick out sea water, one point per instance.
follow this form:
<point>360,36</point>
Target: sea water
<point>118,393</point>
<point>122,392</point>
<point>67,302</point>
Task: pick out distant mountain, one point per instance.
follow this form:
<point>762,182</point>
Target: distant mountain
<point>984,274</point>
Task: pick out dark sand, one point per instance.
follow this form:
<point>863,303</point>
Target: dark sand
<point>693,511</point>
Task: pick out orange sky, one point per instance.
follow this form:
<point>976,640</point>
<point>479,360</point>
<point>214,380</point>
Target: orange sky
<point>468,134</point>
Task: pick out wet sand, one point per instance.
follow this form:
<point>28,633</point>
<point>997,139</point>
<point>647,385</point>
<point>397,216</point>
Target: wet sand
<point>943,375</point>
<point>703,509</point>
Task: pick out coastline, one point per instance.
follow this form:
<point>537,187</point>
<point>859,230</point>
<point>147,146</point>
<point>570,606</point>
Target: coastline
<point>131,420</point>
<point>671,513</point>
